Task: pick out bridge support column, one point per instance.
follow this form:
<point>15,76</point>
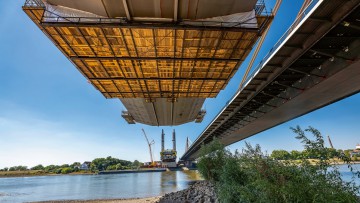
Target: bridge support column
<point>191,164</point>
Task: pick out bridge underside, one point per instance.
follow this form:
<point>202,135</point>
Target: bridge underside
<point>153,55</point>
<point>184,110</point>
<point>318,65</point>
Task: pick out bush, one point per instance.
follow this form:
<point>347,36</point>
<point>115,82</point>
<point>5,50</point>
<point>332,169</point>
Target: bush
<point>356,158</point>
<point>212,156</point>
<point>252,176</point>
<point>66,170</point>
<point>38,167</point>
<point>112,167</point>
<point>58,170</point>
<point>18,168</point>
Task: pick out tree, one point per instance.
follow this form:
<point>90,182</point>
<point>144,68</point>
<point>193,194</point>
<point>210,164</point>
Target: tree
<point>347,152</point>
<point>98,164</point>
<point>58,170</point>
<point>18,168</point>
<point>66,170</point>
<point>75,165</point>
<point>280,154</point>
<point>332,152</point>
<point>119,166</point>
<point>101,164</point>
<point>294,154</point>
<point>212,156</point>
<point>65,166</point>
<point>38,167</point>
<point>136,164</point>
<point>51,168</point>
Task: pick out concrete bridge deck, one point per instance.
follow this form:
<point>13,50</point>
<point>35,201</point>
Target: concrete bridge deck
<point>314,64</point>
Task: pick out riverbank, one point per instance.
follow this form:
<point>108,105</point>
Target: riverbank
<point>200,191</point>
<point>30,173</point>
<point>145,170</point>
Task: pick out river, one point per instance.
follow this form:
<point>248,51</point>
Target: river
<point>116,186</point>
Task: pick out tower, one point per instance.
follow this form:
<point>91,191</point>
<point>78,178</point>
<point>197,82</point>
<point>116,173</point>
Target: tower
<point>174,140</point>
<point>162,140</point>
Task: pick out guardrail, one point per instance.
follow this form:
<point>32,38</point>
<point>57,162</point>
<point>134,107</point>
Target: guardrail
<point>53,17</point>
<point>280,41</point>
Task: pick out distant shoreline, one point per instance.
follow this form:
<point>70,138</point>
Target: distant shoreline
<point>32,173</point>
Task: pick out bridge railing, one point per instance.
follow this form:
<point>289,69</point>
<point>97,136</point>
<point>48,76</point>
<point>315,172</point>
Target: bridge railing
<point>34,3</point>
<point>282,39</point>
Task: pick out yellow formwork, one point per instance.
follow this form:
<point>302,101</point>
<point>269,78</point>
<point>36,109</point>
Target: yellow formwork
<point>123,62</point>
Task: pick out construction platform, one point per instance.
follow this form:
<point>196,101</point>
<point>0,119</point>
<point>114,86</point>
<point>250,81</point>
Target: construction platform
<point>162,59</point>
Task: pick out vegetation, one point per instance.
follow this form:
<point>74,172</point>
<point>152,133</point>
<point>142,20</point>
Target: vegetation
<point>252,176</point>
<point>18,168</point>
<point>98,164</point>
<point>308,154</point>
<point>109,163</point>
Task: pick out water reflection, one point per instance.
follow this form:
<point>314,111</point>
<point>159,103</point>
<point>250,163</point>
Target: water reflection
<point>178,180</point>
<point>168,180</point>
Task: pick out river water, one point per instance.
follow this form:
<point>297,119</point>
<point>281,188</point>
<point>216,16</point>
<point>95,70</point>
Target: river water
<point>116,186</point>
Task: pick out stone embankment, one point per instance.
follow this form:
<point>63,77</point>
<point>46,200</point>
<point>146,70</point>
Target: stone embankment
<point>202,191</point>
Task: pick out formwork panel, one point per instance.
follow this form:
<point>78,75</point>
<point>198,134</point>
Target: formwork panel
<point>150,62</point>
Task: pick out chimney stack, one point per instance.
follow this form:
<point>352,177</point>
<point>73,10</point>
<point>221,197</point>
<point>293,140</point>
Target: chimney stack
<point>162,140</point>
<point>174,141</point>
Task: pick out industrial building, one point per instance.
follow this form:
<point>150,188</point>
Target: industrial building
<point>160,58</point>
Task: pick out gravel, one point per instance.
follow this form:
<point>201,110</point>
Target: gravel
<point>199,192</point>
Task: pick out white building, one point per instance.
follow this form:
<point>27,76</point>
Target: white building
<point>85,165</point>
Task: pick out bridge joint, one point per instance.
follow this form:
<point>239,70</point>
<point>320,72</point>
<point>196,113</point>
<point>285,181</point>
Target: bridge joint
<point>288,86</point>
<point>306,73</point>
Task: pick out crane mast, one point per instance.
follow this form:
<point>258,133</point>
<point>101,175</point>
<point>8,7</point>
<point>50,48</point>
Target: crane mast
<point>330,142</point>
<point>149,143</point>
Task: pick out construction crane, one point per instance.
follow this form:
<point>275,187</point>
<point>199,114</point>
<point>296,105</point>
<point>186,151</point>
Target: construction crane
<point>149,143</point>
<point>330,142</point>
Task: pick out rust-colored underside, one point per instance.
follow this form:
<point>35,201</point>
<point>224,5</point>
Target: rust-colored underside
<point>126,62</point>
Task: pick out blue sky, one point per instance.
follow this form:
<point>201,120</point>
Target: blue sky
<point>50,114</point>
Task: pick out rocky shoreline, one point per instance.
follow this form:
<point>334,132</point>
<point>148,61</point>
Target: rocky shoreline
<point>201,191</point>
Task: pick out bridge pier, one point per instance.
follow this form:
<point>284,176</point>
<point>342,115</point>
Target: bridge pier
<point>190,164</point>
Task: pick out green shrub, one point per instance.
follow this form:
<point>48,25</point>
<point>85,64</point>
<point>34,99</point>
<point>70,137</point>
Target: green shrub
<point>253,176</point>
<point>66,170</point>
<point>38,167</point>
<point>212,156</point>
<point>58,170</point>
